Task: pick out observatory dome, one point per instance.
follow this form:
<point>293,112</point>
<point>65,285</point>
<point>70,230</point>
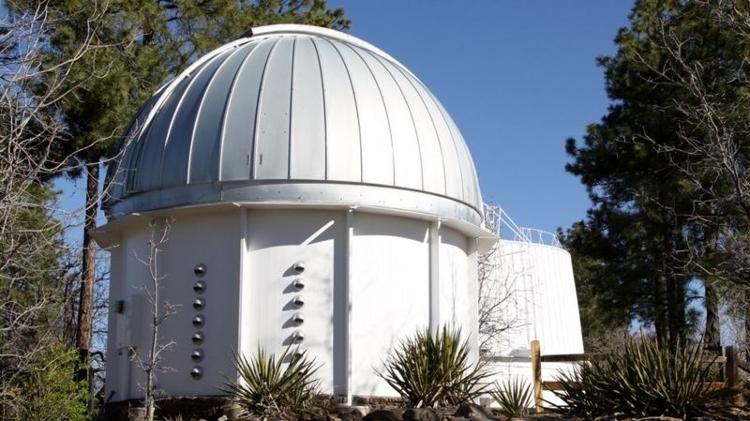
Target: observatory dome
<point>296,114</point>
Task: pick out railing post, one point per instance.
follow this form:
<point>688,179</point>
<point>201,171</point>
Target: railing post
<point>536,375</point>
<point>730,367</point>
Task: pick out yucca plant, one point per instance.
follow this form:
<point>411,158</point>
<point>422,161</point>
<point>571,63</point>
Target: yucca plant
<point>642,379</point>
<point>269,385</point>
<point>513,396</point>
<point>430,370</point>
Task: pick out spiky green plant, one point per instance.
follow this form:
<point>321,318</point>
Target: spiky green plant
<point>269,385</point>
<point>513,396</point>
<point>430,370</point>
<point>642,379</point>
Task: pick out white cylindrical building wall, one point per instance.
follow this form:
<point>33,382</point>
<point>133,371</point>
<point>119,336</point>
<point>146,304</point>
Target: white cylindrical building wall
<point>389,292</point>
<point>364,287</point>
<point>543,306</point>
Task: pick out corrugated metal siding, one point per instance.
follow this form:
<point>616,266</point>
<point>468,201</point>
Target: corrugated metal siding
<point>303,105</point>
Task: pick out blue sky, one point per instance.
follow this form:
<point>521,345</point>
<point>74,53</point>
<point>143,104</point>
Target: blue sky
<point>518,77</point>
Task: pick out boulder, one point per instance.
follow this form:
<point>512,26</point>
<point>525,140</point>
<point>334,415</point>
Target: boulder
<point>474,412</point>
<point>421,414</point>
<point>385,415</point>
<point>350,414</point>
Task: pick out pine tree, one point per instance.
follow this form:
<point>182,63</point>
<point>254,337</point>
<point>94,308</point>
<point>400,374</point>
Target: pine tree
<point>652,228</point>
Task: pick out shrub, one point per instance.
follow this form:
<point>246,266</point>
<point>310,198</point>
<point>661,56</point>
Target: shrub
<point>434,369</point>
<point>513,396</point>
<point>45,390</point>
<point>272,386</point>
<point>642,379</point>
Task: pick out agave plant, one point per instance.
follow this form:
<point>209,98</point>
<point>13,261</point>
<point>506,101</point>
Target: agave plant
<point>269,385</point>
<point>642,379</point>
<point>435,369</point>
<point>513,396</point>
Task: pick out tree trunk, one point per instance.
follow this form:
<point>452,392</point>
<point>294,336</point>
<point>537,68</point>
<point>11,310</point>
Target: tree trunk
<point>88,272</point>
<point>660,320</point>
<point>712,335</point>
<point>672,311</point>
<point>712,338</point>
<point>675,297</point>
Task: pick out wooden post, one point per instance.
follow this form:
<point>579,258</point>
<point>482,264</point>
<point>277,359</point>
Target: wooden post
<point>730,367</point>
<point>536,375</point>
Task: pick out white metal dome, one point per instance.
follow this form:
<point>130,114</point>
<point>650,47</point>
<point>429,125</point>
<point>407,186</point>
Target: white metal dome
<point>297,114</point>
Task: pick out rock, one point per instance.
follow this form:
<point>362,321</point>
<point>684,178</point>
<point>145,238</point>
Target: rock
<point>421,414</point>
<point>658,419</point>
<point>313,414</point>
<point>350,414</point>
<point>474,412</point>
<point>136,414</point>
<point>385,415</point>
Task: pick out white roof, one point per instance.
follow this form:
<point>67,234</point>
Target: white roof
<point>296,113</point>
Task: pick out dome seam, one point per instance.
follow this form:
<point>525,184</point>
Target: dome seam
<point>325,111</point>
<point>291,106</point>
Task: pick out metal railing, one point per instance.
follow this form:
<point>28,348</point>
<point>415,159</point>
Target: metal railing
<point>499,222</point>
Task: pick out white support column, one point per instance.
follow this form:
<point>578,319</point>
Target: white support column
<point>242,288</point>
<point>435,276</point>
<point>473,278</point>
<point>348,312</point>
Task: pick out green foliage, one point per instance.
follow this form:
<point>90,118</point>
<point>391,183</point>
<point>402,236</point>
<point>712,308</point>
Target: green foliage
<point>273,386</point>
<point>45,391</point>
<point>642,379</point>
<point>35,367</point>
<point>429,370</point>
<point>513,396</point>
<point>649,226</point>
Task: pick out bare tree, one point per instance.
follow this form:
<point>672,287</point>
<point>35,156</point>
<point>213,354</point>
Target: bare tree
<point>36,277</point>
<point>151,362</point>
<point>497,294</point>
<point>712,151</point>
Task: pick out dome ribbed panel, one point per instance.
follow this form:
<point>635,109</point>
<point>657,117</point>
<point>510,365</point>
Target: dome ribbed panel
<point>307,145</point>
<point>433,170</point>
<point>180,135</point>
<point>152,152</point>
<point>298,106</point>
<point>239,118</point>
<point>272,120</point>
<point>343,144</point>
<point>121,173</point>
<point>206,142</point>
<point>374,128</point>
<point>407,159</point>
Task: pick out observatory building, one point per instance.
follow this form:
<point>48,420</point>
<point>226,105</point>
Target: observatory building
<point>320,196</point>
